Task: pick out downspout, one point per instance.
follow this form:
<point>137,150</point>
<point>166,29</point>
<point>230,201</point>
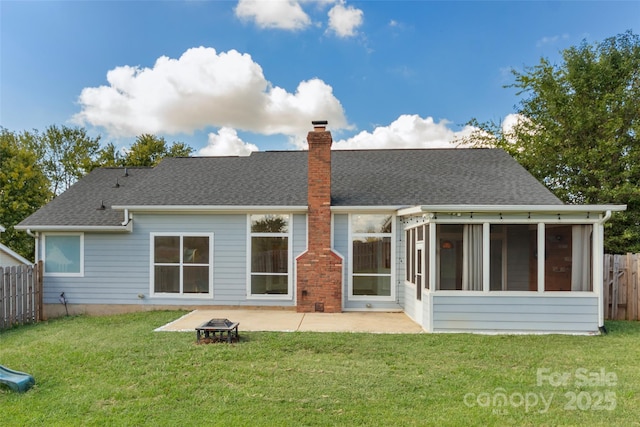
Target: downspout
<point>606,218</point>
<point>600,223</point>
<point>126,218</point>
<point>37,243</point>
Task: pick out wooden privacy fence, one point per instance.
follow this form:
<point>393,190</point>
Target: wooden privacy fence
<point>20,295</point>
<point>621,297</point>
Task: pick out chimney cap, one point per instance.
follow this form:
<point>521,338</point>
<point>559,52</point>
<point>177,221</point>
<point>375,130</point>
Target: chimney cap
<point>319,123</point>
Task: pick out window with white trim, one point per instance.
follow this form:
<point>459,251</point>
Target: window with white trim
<point>182,264</point>
<point>371,255</point>
<point>269,256</point>
<point>417,256</point>
<point>63,254</point>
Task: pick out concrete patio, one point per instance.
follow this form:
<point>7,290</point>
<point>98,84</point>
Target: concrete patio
<point>291,321</point>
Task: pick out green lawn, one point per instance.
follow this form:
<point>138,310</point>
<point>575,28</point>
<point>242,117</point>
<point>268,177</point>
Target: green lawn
<point>117,371</point>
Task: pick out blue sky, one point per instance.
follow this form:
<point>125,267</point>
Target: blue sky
<point>228,77</point>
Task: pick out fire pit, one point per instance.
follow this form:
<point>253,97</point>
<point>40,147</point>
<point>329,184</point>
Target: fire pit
<point>216,330</point>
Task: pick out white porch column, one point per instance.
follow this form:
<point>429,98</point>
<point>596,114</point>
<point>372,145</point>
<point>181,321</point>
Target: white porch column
<point>433,246</point>
<point>541,256</point>
<point>597,277</point>
<point>486,257</point>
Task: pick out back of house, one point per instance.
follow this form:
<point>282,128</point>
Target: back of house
<point>459,239</point>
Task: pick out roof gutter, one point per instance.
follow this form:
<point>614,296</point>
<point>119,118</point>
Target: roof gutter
<point>77,228</point>
<point>552,209</point>
<point>208,208</point>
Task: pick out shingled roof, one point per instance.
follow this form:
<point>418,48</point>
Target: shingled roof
<point>279,178</point>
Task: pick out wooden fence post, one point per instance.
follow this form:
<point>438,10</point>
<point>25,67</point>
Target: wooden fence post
<point>2,300</point>
<point>39,291</point>
<point>632,287</point>
<point>614,288</point>
<point>22,295</point>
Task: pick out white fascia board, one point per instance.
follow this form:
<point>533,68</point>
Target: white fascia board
<point>208,208</point>
<point>79,228</point>
<point>510,208</point>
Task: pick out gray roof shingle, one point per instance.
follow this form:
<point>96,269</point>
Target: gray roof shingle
<point>279,178</point>
<point>80,204</point>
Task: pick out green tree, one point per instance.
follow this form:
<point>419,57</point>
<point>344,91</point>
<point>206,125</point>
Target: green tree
<point>109,156</point>
<point>65,153</point>
<point>179,149</point>
<point>149,150</point>
<point>24,188</point>
<point>579,128</point>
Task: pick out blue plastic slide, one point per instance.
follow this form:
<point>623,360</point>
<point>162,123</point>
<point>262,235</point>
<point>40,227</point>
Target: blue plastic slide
<point>17,381</point>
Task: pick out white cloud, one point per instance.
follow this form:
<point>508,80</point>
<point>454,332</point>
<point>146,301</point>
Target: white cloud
<point>226,143</point>
<point>282,14</point>
<point>203,88</point>
<point>511,121</point>
<point>407,131</point>
<point>551,40</point>
<point>344,20</point>
<point>289,15</point>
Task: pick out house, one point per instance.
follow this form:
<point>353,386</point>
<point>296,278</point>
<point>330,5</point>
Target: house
<point>459,239</point>
<point>9,257</point>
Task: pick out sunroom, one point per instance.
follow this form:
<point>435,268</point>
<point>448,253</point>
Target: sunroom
<point>514,269</point>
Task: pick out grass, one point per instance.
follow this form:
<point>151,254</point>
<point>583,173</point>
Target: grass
<point>116,371</point>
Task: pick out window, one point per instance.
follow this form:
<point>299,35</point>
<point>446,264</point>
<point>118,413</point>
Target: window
<point>568,255</point>
<point>513,257</point>
<point>371,237</point>
<point>460,253</point>
<point>513,250</point>
<point>269,246</point>
<point>64,254</point>
<point>410,255</point>
<point>449,254</point>
<point>417,256</point>
<point>182,264</point>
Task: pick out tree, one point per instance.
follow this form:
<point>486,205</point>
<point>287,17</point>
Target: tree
<point>65,153</point>
<point>24,187</point>
<point>578,130</point>
<point>109,157</point>
<point>179,149</point>
<point>149,150</point>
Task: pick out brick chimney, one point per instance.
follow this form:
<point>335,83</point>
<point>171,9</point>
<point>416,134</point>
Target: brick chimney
<point>319,269</point>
